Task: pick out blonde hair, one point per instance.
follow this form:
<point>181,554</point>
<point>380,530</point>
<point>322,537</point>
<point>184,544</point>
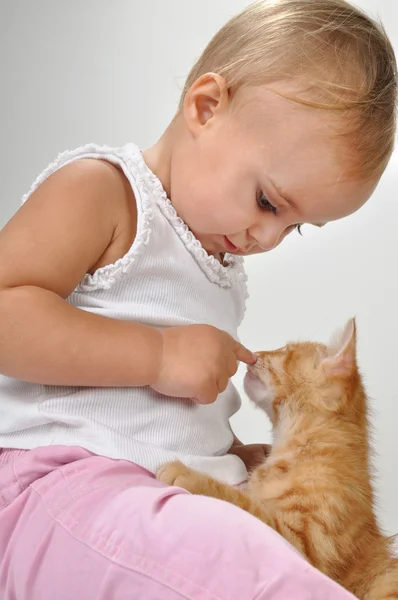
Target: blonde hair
<point>341,55</point>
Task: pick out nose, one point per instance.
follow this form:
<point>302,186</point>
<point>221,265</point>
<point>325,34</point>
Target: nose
<point>270,234</point>
<point>258,365</point>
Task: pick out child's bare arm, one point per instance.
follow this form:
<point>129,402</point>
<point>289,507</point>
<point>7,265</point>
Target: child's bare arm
<point>54,239</point>
<point>60,234</point>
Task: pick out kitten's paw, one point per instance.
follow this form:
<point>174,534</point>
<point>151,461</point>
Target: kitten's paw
<point>173,473</point>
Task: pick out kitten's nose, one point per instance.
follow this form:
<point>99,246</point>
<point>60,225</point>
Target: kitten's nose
<point>260,357</point>
<point>259,364</point>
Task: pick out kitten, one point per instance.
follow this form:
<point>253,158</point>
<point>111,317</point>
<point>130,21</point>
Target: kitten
<point>315,487</point>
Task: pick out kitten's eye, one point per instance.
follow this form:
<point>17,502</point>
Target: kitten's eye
<point>298,228</point>
<point>265,204</point>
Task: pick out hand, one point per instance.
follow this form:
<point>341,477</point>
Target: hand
<point>253,455</point>
<point>198,361</point>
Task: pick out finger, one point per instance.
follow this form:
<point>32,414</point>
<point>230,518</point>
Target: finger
<point>222,383</point>
<point>244,354</point>
<point>208,395</point>
<point>232,365</point>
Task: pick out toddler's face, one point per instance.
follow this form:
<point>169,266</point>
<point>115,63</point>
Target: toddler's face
<point>243,177</point>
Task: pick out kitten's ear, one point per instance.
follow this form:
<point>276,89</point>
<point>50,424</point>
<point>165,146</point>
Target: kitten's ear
<point>341,355</point>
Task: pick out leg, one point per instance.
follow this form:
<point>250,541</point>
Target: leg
<point>83,526</point>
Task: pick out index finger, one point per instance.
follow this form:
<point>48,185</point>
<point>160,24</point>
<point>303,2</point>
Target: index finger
<point>244,354</point>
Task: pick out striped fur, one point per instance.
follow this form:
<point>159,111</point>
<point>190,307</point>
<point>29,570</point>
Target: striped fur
<point>315,487</point>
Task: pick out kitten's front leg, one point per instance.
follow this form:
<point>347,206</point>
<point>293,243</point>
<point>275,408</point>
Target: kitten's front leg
<point>177,474</point>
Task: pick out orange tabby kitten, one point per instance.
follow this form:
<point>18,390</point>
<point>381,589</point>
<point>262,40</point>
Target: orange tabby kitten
<point>315,486</point>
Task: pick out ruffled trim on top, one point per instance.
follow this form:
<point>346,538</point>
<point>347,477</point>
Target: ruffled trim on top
<point>148,191</point>
<point>104,277</point>
<point>225,275</point>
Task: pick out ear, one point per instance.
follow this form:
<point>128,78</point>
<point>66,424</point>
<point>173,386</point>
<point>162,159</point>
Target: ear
<point>206,98</point>
<point>341,355</point>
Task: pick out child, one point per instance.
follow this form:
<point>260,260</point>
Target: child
<point>121,290</point>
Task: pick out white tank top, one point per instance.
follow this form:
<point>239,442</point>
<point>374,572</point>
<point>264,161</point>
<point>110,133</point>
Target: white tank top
<point>165,279</point>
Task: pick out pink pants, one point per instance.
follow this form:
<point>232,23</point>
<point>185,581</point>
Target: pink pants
<point>75,526</point>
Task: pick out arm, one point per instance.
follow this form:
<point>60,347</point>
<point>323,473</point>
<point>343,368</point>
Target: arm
<point>60,234</point>
<point>53,240</point>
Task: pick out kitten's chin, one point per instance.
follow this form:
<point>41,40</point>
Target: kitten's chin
<point>259,393</point>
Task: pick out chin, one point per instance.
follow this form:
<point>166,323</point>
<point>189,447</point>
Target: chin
<point>259,393</point>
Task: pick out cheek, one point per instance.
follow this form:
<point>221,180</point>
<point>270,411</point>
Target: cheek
<point>211,207</point>
<point>212,189</point>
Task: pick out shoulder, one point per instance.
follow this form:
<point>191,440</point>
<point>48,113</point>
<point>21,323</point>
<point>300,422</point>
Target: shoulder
<point>91,180</point>
<point>101,195</point>
<point>93,189</point>
<point>73,221</point>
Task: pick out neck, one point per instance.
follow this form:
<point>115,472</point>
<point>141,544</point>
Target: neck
<point>159,157</point>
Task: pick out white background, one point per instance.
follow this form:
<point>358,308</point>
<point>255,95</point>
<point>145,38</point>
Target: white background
<point>110,72</point>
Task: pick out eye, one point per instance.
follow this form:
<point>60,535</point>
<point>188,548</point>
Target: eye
<point>265,204</point>
<point>298,228</point>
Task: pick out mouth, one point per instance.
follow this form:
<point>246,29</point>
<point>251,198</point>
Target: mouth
<point>253,385</point>
<point>259,392</point>
<point>230,246</point>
